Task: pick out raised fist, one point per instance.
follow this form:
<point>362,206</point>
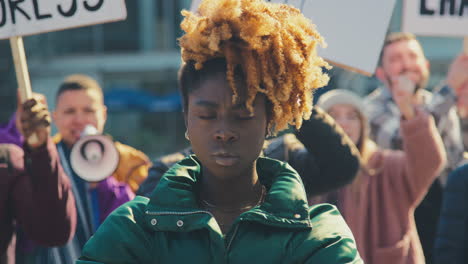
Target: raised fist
<point>33,121</point>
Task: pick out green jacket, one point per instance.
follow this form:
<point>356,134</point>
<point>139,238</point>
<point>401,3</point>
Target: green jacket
<point>171,228</point>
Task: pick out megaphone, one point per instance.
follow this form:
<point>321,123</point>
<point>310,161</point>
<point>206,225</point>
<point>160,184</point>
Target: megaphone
<point>94,157</point>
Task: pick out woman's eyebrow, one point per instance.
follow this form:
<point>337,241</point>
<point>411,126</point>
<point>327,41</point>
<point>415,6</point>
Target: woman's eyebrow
<point>206,103</point>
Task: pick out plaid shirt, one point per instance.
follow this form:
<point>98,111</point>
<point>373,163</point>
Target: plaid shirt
<point>384,118</point>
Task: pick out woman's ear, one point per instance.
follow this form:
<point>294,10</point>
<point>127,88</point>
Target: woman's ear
<point>269,118</point>
<point>184,113</point>
<point>186,125</point>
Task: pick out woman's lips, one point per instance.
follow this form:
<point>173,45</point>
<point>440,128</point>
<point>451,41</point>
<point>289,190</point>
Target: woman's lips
<point>225,160</point>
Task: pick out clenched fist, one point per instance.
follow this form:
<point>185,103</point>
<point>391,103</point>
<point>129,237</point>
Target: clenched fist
<point>33,120</point>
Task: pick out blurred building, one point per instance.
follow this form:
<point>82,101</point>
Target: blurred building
<point>140,57</point>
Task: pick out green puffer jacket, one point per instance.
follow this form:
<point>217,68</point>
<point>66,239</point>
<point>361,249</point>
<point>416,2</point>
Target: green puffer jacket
<point>171,228</point>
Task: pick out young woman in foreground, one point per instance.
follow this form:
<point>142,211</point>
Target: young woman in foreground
<point>249,70</point>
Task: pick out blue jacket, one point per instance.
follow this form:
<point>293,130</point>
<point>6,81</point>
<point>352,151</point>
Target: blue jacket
<point>451,245</point>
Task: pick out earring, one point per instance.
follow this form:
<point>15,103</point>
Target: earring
<point>186,135</point>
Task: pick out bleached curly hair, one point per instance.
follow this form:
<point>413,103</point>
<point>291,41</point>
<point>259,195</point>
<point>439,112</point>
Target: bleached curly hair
<point>273,44</point>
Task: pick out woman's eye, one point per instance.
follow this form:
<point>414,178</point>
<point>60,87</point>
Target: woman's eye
<point>245,117</point>
<point>207,117</point>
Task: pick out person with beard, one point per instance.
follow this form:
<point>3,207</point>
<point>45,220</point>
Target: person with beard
<point>403,65</point>
<point>249,70</point>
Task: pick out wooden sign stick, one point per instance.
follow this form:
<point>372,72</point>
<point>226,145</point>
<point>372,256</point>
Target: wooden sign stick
<point>22,75</point>
<point>21,68</point>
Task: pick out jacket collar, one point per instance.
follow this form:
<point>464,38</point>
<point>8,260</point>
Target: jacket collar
<point>175,198</point>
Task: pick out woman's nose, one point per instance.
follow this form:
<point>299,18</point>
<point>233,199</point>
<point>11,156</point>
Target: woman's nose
<point>225,135</point>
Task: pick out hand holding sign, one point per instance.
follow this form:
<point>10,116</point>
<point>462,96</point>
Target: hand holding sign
<point>33,118</point>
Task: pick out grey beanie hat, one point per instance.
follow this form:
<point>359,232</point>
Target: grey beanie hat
<point>340,96</point>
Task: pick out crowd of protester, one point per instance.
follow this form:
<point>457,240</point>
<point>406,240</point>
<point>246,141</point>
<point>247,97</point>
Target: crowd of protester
<point>392,165</point>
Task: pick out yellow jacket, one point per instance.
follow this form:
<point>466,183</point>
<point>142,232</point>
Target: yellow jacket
<point>133,164</point>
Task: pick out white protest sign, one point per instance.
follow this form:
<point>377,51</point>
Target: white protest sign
<point>27,17</point>
<point>436,17</point>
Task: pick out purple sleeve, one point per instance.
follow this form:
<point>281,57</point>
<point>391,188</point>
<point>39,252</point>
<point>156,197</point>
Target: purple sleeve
<point>111,195</point>
<point>9,134</point>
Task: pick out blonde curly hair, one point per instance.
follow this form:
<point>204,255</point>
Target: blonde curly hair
<point>275,46</point>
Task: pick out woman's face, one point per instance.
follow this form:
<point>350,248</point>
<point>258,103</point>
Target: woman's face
<point>348,118</point>
<point>226,137</point>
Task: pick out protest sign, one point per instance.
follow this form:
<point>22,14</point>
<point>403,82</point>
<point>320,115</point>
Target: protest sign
<point>26,17</point>
<point>437,18</point>
<point>22,18</point>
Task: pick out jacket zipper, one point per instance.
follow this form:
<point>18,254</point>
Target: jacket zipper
<point>232,237</point>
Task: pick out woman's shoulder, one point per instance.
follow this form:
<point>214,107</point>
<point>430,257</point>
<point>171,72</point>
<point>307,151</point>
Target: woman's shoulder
<point>326,219</point>
<point>330,238</point>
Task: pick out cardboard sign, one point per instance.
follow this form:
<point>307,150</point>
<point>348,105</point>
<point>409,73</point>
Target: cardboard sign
<point>436,17</point>
<point>353,29</point>
<point>27,17</point>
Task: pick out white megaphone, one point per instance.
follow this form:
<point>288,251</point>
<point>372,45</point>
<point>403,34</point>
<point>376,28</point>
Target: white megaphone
<point>94,157</point>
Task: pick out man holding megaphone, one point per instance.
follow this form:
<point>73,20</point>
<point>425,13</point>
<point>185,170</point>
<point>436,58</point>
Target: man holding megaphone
<point>97,166</point>
<point>79,103</point>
